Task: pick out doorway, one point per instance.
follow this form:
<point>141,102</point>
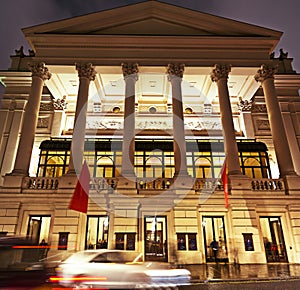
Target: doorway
<point>214,239</point>
<point>38,229</point>
<point>273,239</point>
<point>156,248</point>
<point>97,232</point>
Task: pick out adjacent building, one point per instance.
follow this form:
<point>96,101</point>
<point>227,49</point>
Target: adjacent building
<point>156,99</point>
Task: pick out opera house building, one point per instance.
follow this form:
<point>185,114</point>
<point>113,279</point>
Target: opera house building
<point>189,125</point>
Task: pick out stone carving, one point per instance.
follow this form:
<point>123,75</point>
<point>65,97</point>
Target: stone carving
<point>40,70</point>
<point>86,71</point>
<point>244,105</point>
<point>43,122</point>
<point>60,104</point>
<point>263,124</point>
<point>175,69</point>
<point>282,54</point>
<point>220,71</point>
<point>265,72</point>
<point>129,69</point>
<point>259,108</point>
<point>46,107</point>
<point>144,124</point>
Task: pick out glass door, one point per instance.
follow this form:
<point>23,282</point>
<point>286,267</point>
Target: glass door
<point>273,239</point>
<point>156,238</point>
<point>214,239</point>
<point>97,232</point>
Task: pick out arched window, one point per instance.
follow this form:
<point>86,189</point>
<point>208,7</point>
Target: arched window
<point>203,168</point>
<point>105,167</point>
<point>154,167</point>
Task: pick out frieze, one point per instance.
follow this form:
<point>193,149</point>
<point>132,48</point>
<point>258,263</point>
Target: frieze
<point>163,124</point>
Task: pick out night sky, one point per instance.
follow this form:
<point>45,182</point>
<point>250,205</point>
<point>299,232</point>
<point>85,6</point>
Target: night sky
<point>273,14</point>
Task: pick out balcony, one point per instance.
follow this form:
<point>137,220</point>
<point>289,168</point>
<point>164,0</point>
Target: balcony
<point>151,184</point>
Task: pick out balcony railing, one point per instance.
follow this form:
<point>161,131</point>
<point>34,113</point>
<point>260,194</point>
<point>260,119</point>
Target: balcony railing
<point>40,183</point>
<point>200,184</point>
<point>266,184</point>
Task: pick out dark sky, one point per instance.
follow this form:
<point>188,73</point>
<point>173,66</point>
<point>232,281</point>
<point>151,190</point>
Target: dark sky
<point>274,14</point>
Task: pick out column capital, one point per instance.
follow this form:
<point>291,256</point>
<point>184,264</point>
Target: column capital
<point>40,70</point>
<point>130,69</point>
<point>86,70</point>
<point>220,71</point>
<point>175,69</point>
<point>265,72</point>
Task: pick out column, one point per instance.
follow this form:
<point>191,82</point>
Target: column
<point>175,74</point>
<point>265,75</point>
<point>220,76</point>
<point>40,73</point>
<point>130,73</point>
<point>86,74</point>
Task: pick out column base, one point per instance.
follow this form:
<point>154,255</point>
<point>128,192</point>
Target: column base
<point>127,182</point>
<point>182,181</point>
<point>13,181</point>
<point>68,181</point>
<point>19,172</point>
<point>292,184</point>
<point>239,182</point>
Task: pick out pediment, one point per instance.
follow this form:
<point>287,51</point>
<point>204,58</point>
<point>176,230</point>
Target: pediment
<point>151,18</point>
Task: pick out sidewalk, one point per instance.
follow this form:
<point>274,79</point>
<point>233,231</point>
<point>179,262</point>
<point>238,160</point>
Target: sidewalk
<point>214,272</point>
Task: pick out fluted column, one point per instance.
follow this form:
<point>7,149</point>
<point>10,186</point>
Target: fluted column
<point>265,75</point>
<point>130,73</point>
<point>40,73</point>
<point>220,76</point>
<point>175,74</point>
<point>86,74</point>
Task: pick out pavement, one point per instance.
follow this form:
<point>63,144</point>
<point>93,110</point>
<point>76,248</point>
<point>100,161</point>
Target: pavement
<point>225,276</point>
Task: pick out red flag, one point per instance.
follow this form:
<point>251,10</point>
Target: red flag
<point>225,182</point>
<point>79,201</point>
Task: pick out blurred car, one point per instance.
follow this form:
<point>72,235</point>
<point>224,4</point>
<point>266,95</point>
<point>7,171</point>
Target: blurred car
<point>111,269</point>
<point>21,266</point>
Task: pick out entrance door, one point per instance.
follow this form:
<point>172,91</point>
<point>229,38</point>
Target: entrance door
<point>156,238</point>
<point>38,229</point>
<point>97,232</point>
<point>214,239</point>
<point>273,239</point>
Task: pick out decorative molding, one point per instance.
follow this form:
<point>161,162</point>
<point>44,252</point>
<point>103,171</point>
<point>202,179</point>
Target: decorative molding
<point>259,108</point>
<point>60,104</point>
<point>176,69</point>
<point>263,124</point>
<point>194,124</point>
<point>129,69</point>
<point>40,70</point>
<point>43,122</point>
<point>86,70</point>
<point>245,106</point>
<point>46,107</point>
<point>220,71</point>
<point>265,72</point>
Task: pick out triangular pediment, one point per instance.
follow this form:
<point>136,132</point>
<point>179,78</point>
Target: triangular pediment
<point>151,18</point>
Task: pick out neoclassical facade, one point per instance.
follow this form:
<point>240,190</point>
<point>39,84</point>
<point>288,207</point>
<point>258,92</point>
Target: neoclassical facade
<point>156,99</point>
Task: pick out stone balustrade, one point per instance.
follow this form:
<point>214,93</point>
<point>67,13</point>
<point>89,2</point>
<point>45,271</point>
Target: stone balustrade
<point>200,184</point>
